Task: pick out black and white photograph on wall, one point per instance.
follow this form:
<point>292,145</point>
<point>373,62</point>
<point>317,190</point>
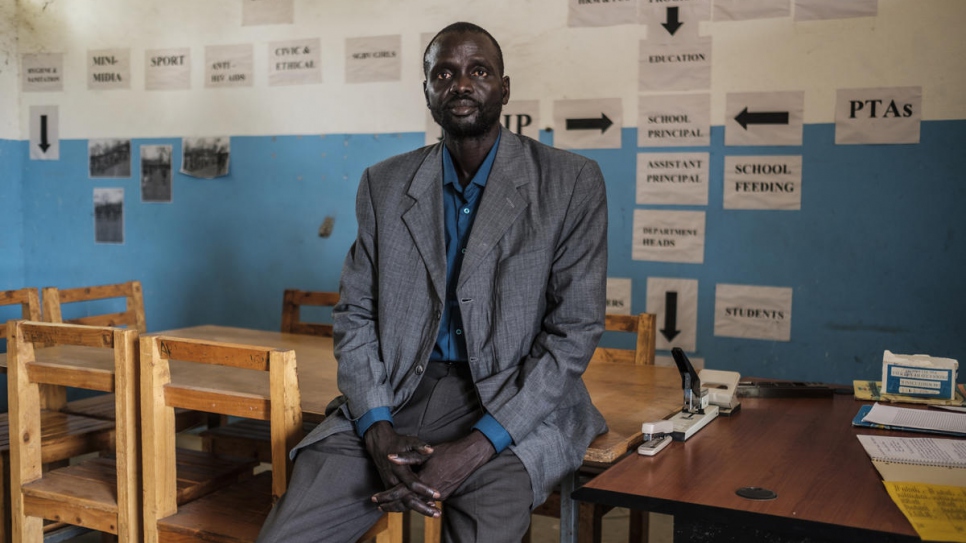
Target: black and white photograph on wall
<point>109,158</point>
<point>109,215</point>
<point>206,158</point>
<point>156,173</point>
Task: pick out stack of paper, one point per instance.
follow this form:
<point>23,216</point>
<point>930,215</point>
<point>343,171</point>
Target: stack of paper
<point>915,420</point>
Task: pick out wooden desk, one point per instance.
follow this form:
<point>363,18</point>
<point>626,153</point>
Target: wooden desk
<point>805,450</point>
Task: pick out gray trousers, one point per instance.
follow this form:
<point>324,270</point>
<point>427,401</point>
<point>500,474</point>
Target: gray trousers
<point>328,498</point>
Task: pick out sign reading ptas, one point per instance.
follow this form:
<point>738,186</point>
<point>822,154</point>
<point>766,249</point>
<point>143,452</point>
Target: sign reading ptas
<point>668,236</point>
<point>889,115</point>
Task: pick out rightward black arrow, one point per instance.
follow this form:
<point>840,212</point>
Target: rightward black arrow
<point>672,25</point>
<point>43,134</point>
<point>670,330</point>
<point>603,123</point>
<point>761,117</point>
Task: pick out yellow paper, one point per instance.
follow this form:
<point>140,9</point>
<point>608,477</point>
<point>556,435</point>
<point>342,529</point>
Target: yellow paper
<point>937,512</point>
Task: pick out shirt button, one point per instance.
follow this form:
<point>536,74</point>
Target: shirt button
<point>463,250</point>
<point>466,211</point>
<point>419,370</point>
<point>459,332</point>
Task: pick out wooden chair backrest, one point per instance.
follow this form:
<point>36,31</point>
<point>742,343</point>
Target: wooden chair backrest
<point>131,317</point>
<point>160,396</point>
<point>292,302</point>
<point>26,376</point>
<point>28,299</point>
<point>643,326</point>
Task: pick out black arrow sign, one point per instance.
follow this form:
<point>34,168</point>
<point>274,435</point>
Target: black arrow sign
<point>603,123</point>
<point>43,134</point>
<point>672,25</point>
<point>670,330</point>
<point>761,117</point>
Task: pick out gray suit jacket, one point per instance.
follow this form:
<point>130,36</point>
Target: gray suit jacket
<point>531,293</point>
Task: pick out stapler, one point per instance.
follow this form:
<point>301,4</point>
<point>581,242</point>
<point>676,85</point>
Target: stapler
<point>657,436</point>
<point>697,411</point>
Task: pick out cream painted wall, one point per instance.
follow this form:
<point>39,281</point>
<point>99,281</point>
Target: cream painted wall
<point>910,42</point>
<point>9,60</point>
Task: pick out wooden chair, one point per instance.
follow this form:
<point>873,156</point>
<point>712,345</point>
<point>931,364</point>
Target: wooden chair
<point>292,302</point>
<point>101,493</point>
<point>643,326</point>
<point>27,298</point>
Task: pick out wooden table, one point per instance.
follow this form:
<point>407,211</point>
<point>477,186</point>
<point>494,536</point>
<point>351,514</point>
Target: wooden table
<point>805,450</point>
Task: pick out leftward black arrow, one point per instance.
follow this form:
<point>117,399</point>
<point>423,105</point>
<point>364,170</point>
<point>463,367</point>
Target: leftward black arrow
<point>43,134</point>
<point>603,123</point>
<point>672,25</point>
<point>670,330</point>
<point>761,117</point>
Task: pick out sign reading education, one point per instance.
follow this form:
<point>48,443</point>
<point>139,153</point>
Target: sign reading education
<point>668,236</point>
<point>167,69</point>
<point>43,72</point>
<point>296,62</point>
<point>44,133</point>
<point>675,66</point>
<point>371,59</point>
<point>618,296</point>
<point>109,69</point>
<point>674,120</point>
<point>763,182</point>
<point>228,66</point>
<point>675,302</point>
<point>764,118</point>
<point>601,12</point>
<point>672,178</point>
<point>885,115</point>
<point>588,124</point>
<point>741,10</point>
<point>753,312</point>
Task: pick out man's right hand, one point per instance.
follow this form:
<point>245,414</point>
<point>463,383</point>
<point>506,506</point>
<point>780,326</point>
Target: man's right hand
<point>409,492</point>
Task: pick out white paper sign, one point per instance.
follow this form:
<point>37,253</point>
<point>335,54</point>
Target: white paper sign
<point>44,133</point>
<point>618,296</point>
<point>675,66</point>
<point>109,215</point>
<point>522,117</point>
<point>228,66</point>
<point>295,62</point>
<point>675,302</point>
<point>601,12</point>
<point>167,69</point>
<point>753,312</point>
<point>763,182</point>
<point>884,115</point>
<point>674,120</point>
<point>673,20</point>
<point>43,72</point>
<point>740,10</point>
<point>808,10</point>
<point>672,178</point>
<point>109,69</point>
<point>267,12</point>
<point>668,236</point>
<point>376,58</point>
<point>764,118</point>
<point>588,124</point>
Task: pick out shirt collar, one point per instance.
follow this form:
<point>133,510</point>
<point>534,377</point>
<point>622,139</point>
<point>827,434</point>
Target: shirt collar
<point>449,170</point>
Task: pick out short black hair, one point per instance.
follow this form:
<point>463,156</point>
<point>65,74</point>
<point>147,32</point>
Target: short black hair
<point>457,28</point>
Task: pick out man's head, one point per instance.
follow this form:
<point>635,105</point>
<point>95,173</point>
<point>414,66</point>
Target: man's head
<point>465,87</point>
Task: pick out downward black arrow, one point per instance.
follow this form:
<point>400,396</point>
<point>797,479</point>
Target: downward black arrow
<point>762,117</point>
<point>672,25</point>
<point>670,330</point>
<point>43,134</point>
<point>603,123</point>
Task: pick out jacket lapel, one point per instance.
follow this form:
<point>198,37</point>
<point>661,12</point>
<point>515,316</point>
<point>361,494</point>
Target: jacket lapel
<point>424,218</point>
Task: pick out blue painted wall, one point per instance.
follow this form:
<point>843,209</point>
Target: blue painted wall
<point>874,256</point>
<point>11,214</point>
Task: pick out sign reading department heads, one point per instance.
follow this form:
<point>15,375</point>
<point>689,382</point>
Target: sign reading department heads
<point>674,120</point>
<point>167,69</point>
<point>884,115</point>
<point>753,312</point>
<point>519,116</point>
<point>764,118</point>
<point>672,178</point>
<point>675,66</point>
<point>42,72</point>
<point>228,66</point>
<point>668,236</point>
<point>618,296</point>
<point>673,20</point>
<point>588,124</point>
<point>763,182</point>
<point>109,69</point>
<point>296,62</point>
<point>44,133</point>
<point>741,10</point>
<point>675,303</point>
<point>601,12</point>
<point>807,10</point>
<point>371,59</point>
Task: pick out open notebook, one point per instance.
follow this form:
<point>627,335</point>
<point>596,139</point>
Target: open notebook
<point>918,460</point>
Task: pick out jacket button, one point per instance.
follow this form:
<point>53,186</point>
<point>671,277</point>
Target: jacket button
<point>419,370</point>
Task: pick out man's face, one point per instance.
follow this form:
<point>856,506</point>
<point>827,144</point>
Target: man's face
<point>464,87</point>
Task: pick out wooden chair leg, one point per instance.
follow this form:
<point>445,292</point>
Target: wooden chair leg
<point>433,528</point>
<point>639,526</point>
